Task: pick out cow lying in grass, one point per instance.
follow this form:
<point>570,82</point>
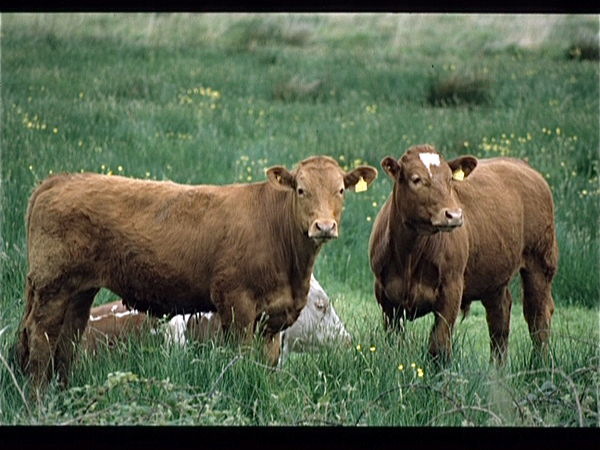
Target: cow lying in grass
<point>453,232</point>
<point>245,252</point>
<point>317,325</point>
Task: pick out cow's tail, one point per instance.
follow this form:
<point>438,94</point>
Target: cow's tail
<point>465,308</point>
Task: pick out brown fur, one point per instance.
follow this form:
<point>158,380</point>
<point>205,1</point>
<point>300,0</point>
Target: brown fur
<point>242,250</point>
<point>507,217</point>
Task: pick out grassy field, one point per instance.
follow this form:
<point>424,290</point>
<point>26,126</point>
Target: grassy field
<point>216,99</point>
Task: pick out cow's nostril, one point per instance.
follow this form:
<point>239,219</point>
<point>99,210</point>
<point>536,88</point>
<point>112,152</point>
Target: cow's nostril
<point>449,215</point>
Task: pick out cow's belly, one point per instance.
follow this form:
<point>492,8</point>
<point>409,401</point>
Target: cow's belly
<point>160,295</point>
<point>491,269</point>
<point>415,296</point>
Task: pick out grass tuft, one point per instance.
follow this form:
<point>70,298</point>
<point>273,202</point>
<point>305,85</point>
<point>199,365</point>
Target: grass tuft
<point>460,90</point>
<point>586,47</point>
<point>249,34</point>
<point>298,89</point>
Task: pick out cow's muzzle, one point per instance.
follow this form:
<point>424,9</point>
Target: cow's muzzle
<point>448,219</point>
<point>322,230</point>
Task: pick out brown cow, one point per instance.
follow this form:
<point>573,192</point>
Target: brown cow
<point>439,243</point>
<point>243,251</point>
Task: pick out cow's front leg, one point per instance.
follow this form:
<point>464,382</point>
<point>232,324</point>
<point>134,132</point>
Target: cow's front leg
<point>237,311</point>
<point>272,348</point>
<point>393,314</point>
<point>446,312</point>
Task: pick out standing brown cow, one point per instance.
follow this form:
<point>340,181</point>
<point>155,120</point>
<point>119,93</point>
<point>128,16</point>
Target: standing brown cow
<point>242,250</point>
<point>440,242</point>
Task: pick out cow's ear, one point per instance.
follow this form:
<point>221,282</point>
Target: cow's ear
<point>280,177</point>
<point>462,166</point>
<point>391,167</point>
<point>367,173</point>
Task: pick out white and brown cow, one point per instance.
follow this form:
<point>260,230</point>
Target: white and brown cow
<point>244,251</point>
<point>458,231</point>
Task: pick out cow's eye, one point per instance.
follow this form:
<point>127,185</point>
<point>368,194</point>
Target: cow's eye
<point>300,191</point>
<point>342,191</point>
<point>416,180</point>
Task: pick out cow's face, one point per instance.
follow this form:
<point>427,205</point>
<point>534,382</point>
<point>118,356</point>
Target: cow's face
<point>318,323</point>
<point>318,185</point>
<point>424,187</point>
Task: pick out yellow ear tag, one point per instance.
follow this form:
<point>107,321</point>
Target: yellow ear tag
<point>458,174</point>
<point>361,185</point>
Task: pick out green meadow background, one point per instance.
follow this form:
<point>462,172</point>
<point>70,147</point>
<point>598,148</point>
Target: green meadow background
<point>217,98</point>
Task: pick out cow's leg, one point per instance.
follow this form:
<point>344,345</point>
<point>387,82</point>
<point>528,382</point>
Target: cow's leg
<point>497,310</point>
<point>446,312</point>
<point>20,350</point>
<point>538,307</point>
<point>392,315</point>
<point>272,348</point>
<point>43,325</point>
<point>237,312</point>
<point>73,326</point>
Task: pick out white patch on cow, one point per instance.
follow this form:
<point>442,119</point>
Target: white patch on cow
<point>114,314</point>
<point>429,159</point>
<point>133,312</point>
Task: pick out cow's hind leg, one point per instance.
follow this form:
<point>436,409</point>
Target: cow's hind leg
<point>538,306</point>
<point>20,350</point>
<point>540,263</point>
<point>74,323</point>
<point>42,328</point>
<point>497,309</point>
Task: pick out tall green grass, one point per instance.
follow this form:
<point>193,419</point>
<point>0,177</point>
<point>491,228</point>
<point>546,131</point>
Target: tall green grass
<point>216,99</point>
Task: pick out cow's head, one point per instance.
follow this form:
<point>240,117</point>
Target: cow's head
<point>318,184</point>
<point>424,188</point>
<point>318,325</point>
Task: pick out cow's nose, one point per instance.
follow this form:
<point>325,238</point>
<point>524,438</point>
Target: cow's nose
<point>453,217</point>
<point>323,229</point>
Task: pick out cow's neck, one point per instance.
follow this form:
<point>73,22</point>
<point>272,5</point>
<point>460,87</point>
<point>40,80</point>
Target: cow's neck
<point>409,244</point>
<point>297,250</point>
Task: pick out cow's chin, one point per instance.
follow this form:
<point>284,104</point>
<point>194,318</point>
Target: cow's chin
<point>319,240</point>
<point>427,228</point>
<point>446,228</point>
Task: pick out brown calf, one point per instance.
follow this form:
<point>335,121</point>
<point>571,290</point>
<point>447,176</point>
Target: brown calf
<point>440,242</point>
<point>244,251</point>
